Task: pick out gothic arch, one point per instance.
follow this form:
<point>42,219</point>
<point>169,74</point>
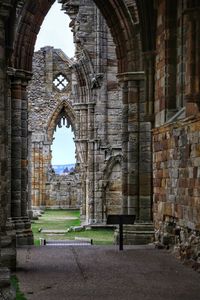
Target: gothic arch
<point>64,109</point>
<point>118,17</point>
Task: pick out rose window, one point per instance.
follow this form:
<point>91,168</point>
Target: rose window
<point>60,82</point>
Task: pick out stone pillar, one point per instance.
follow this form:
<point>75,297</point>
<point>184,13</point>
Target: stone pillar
<point>5,288</point>
<point>91,171</point>
<point>24,152</point>
<point>136,168</point>
<point>19,157</point>
<point>81,142</point>
<point>133,146</point>
<point>16,145</point>
<point>130,141</point>
<point>125,148</point>
<point>149,65</point>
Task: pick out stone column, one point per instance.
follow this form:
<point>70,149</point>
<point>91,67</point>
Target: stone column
<point>90,171</point>
<point>24,152</point>
<point>125,148</point>
<point>130,141</point>
<point>19,157</point>
<point>16,150</point>
<point>149,63</point>
<point>5,288</point>
<point>81,142</point>
<point>136,168</point>
<point>133,147</point>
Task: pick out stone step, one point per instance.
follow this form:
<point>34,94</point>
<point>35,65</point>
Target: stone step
<point>83,239</point>
<point>146,227</point>
<point>137,234</point>
<point>66,242</point>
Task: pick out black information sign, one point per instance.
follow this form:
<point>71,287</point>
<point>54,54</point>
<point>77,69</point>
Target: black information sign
<point>121,220</point>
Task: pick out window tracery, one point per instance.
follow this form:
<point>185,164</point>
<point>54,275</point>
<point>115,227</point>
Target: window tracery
<point>60,82</point>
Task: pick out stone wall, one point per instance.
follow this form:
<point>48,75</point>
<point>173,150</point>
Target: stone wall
<point>176,173</point>
<point>63,191</point>
<point>171,60</point>
<point>48,105</point>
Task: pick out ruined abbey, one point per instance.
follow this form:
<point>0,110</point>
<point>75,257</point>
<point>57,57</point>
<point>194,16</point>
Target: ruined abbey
<point>131,96</point>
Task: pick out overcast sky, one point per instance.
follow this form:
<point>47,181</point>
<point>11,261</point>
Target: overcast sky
<point>55,32</point>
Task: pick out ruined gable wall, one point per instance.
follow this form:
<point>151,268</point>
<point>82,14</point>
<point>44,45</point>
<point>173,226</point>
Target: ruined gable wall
<point>43,96</point>
<point>45,103</point>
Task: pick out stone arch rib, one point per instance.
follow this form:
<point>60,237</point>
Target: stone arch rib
<point>31,18</point>
<point>119,19</point>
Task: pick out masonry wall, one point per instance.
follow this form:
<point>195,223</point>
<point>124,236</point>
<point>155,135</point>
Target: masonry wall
<point>63,191</point>
<point>171,59</point>
<point>176,153</point>
<point>176,173</point>
<point>47,105</point>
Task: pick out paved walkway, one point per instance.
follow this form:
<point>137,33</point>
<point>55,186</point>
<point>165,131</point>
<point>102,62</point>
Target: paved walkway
<point>104,273</point>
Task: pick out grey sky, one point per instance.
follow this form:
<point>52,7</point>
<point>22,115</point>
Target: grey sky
<point>55,32</point>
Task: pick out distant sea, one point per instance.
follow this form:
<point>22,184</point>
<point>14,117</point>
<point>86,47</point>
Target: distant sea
<point>59,169</point>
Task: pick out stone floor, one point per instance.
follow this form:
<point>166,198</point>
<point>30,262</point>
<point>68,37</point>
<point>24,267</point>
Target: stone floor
<point>103,273</point>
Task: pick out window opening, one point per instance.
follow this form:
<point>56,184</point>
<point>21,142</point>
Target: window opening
<point>60,82</point>
<point>63,148</point>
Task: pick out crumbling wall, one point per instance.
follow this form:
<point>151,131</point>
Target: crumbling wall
<point>63,191</point>
<point>50,99</point>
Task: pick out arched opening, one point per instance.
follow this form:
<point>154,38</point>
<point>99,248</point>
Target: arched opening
<point>63,149</point>
<point>93,88</point>
<point>104,109</point>
<point>107,115</point>
<point>62,187</point>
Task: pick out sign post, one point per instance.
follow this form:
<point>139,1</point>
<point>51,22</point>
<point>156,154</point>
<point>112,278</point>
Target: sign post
<point>121,220</point>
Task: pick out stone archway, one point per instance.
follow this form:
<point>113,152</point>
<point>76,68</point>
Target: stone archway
<point>131,77</point>
<point>21,21</point>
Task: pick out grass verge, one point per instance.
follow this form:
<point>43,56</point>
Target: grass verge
<point>15,284</point>
<point>62,220</point>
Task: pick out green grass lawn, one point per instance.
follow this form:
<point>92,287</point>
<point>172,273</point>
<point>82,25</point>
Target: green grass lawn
<point>56,219</point>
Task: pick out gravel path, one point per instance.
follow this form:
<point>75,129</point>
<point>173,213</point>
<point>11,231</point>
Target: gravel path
<point>104,273</point>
